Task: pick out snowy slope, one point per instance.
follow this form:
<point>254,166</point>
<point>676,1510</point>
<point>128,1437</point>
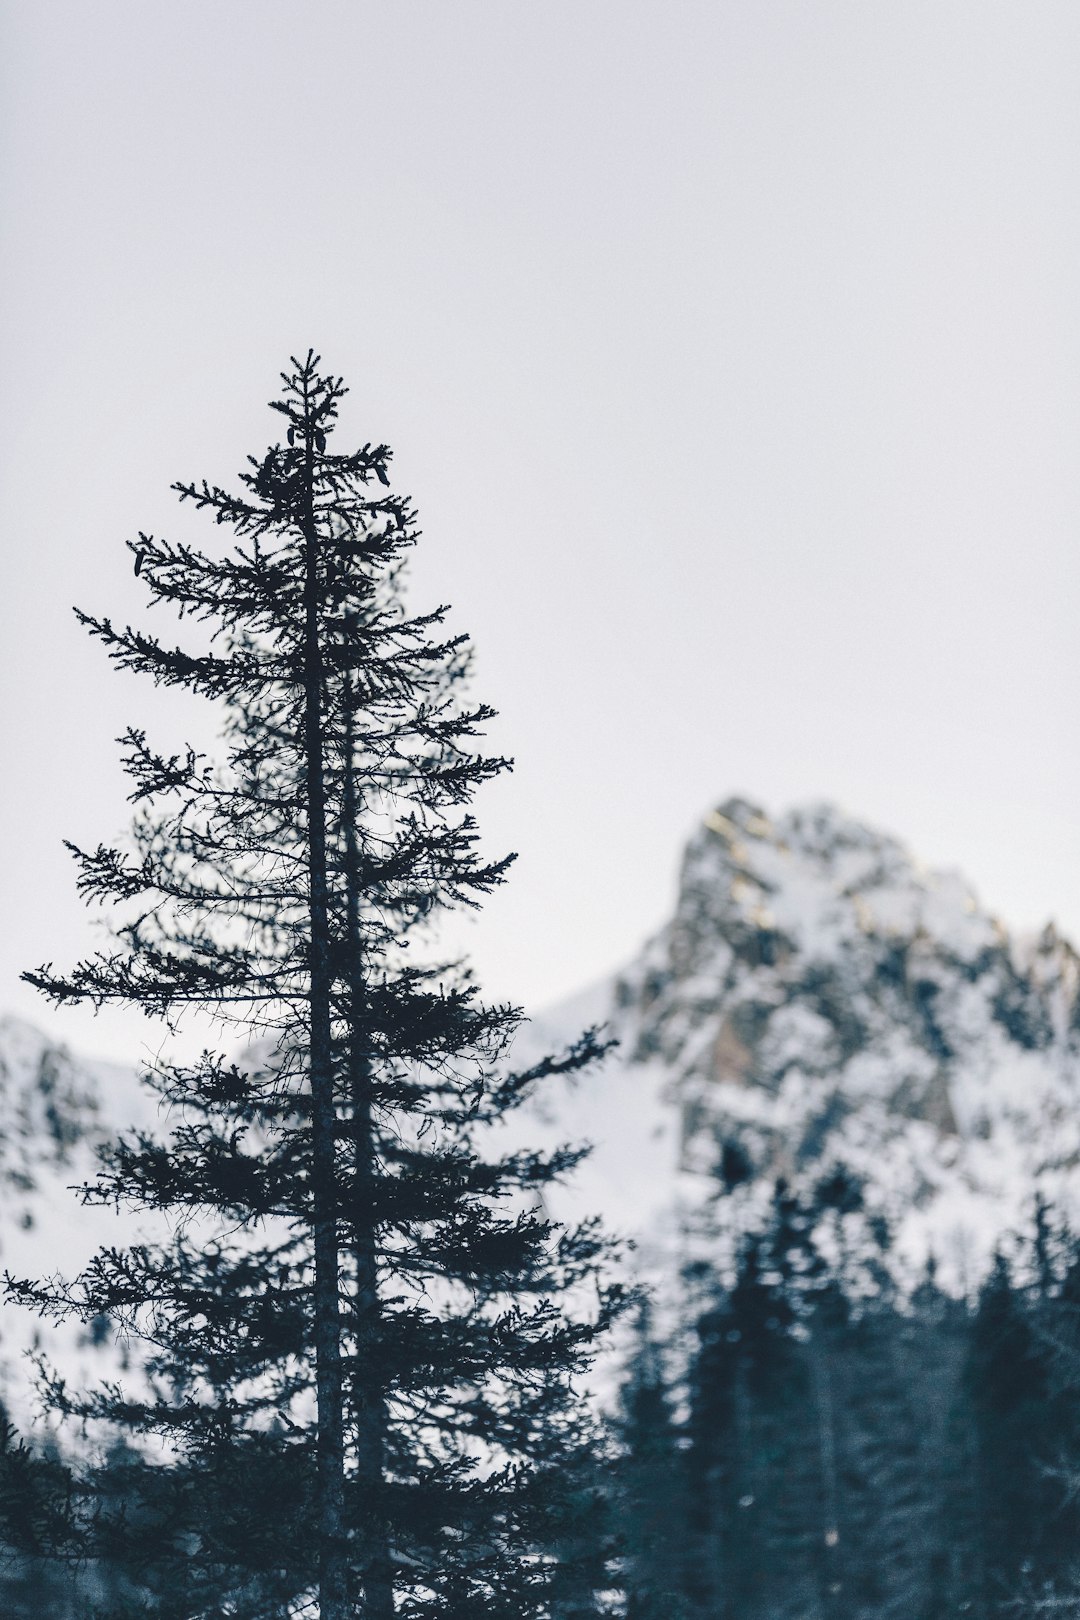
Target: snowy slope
<point>819,1001</point>
<point>54,1108</point>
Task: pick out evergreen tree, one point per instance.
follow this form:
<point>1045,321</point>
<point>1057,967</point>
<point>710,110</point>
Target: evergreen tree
<point>653,1504</point>
<point>754,1441</point>
<point>852,1452</point>
<point>891,1397</point>
<point>817,1459</point>
<point>33,1488</point>
<point>358,1388</point>
<point>1050,1575</point>
<point>1008,1391</point>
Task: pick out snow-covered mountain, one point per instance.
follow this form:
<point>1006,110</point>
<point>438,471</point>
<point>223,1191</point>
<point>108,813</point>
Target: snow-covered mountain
<point>818,1003</point>
<point>54,1109</point>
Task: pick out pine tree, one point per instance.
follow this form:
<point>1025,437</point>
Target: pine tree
<point>653,1505</point>
<point>753,1459</point>
<point>1050,1578</point>
<point>816,1427</point>
<point>358,1388</point>
<point>1008,1393</point>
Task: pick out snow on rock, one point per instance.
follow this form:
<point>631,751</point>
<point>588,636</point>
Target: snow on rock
<point>54,1110</point>
<point>819,1002</point>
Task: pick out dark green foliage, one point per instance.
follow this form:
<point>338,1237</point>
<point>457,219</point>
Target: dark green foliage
<point>358,1376</point>
<point>753,1458</point>
<point>48,1567</point>
<point>651,1490</point>
<point>1006,1386</point>
<point>33,1496</point>
<point>842,1454</point>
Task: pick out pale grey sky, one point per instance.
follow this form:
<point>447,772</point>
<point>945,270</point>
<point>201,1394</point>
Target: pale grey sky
<point>730,351</point>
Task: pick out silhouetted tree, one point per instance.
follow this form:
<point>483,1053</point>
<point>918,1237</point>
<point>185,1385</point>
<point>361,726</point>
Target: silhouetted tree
<point>359,1358</point>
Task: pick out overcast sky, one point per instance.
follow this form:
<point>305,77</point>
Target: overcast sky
<point>730,352</point>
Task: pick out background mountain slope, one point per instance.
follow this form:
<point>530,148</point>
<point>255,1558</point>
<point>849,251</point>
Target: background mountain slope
<point>55,1107</point>
<point>821,1008</point>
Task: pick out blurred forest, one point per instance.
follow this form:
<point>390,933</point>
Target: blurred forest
<point>830,1452</point>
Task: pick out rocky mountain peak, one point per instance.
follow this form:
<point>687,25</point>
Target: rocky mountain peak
<point>820,1002</point>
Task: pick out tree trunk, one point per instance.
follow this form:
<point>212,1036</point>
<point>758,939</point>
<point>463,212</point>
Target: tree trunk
<point>333,1593</point>
<point>369,1400</point>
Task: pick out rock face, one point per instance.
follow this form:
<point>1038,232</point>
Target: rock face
<point>54,1109</point>
<point>50,1109</point>
<point>819,1004</point>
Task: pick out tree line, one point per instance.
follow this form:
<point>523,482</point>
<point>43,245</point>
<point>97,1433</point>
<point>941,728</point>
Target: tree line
<point>839,1452</point>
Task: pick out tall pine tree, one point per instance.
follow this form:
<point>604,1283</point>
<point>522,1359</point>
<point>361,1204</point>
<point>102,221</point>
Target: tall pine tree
<point>358,1390</point>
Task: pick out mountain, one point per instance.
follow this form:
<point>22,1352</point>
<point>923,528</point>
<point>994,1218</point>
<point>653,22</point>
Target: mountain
<point>54,1110</point>
<point>819,1008</point>
<point>823,1009</point>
